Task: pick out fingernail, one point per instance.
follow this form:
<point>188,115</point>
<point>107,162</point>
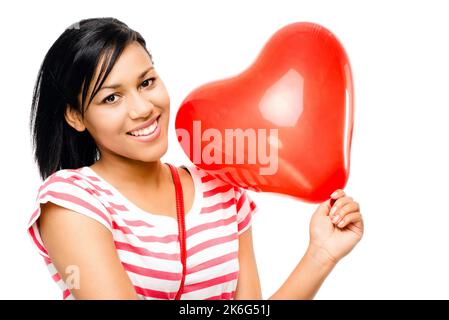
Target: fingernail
<point>335,219</point>
<point>341,223</point>
<point>334,194</point>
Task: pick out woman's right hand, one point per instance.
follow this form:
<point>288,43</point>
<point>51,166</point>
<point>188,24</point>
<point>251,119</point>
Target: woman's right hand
<point>334,231</point>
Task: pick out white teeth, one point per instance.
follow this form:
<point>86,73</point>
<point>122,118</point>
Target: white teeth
<point>146,131</point>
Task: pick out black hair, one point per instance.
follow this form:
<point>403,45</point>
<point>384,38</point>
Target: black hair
<point>66,72</point>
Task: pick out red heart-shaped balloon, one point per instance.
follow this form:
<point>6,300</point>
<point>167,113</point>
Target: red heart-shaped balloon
<point>284,125</point>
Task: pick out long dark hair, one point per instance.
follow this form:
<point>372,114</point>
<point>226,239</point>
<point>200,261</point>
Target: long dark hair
<point>68,70</point>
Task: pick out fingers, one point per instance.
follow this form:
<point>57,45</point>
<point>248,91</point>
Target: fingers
<point>344,210</point>
<point>335,195</point>
<point>328,205</point>
<point>347,209</point>
<point>353,217</point>
<point>339,203</point>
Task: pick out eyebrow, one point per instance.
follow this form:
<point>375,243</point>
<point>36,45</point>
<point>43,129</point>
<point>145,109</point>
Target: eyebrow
<point>115,86</point>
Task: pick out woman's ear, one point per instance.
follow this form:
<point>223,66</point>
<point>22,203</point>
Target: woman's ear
<point>73,118</point>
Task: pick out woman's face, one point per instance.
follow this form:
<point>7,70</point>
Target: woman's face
<point>131,95</point>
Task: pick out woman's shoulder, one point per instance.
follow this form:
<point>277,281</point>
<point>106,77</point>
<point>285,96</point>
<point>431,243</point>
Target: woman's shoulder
<point>214,183</point>
<point>205,178</point>
<point>194,169</point>
<point>73,190</point>
<point>73,177</point>
<point>70,185</point>
<point>219,194</point>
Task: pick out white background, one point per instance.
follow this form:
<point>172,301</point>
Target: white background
<point>400,61</point>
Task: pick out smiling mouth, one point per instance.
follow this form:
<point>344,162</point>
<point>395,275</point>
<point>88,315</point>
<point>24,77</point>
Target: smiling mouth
<point>146,131</point>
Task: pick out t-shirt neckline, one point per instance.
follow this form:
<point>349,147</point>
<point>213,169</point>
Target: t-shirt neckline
<point>150,215</point>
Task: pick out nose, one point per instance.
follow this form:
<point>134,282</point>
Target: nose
<point>139,107</point>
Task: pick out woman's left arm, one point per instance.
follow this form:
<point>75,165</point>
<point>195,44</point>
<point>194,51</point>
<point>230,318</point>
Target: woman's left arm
<point>248,285</point>
<point>334,231</point>
<point>306,278</point>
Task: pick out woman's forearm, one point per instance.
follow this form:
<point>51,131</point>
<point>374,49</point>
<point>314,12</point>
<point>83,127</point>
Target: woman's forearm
<point>307,277</point>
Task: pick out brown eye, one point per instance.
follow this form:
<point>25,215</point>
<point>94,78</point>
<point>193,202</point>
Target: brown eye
<point>110,99</point>
<point>146,83</point>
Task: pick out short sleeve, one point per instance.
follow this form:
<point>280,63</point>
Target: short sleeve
<point>246,208</point>
<point>67,190</point>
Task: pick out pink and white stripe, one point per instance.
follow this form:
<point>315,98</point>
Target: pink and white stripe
<point>147,243</point>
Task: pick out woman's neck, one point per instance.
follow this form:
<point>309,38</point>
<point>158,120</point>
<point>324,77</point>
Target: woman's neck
<point>133,174</point>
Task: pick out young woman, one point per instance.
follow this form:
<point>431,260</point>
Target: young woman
<point>106,219</point>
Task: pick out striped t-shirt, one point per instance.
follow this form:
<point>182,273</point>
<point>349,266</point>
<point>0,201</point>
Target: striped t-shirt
<point>147,244</point>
